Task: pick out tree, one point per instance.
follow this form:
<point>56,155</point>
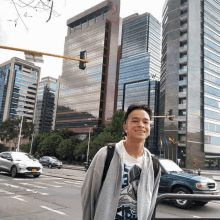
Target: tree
<point>26,147</point>
<point>9,130</point>
<point>48,145</point>
<point>116,126</point>
<point>27,129</point>
<point>36,5</point>
<point>3,148</point>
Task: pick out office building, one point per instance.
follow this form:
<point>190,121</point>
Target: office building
<point>139,71</point>
<point>87,98</point>
<point>46,102</point>
<point>190,78</point>
<point>18,88</point>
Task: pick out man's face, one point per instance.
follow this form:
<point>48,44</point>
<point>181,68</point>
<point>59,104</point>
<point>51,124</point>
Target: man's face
<point>138,125</point>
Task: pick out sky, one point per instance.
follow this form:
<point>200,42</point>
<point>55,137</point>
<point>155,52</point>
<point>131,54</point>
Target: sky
<point>49,37</point>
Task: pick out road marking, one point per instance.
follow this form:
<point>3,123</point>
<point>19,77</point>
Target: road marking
<point>29,184</point>
<point>28,190</point>
<point>79,183</point>
<point>10,193</point>
<point>47,184</point>
<point>52,210</point>
<point>216,203</point>
<point>17,197</point>
<point>196,216</point>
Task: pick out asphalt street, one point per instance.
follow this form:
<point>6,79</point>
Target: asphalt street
<point>56,195</point>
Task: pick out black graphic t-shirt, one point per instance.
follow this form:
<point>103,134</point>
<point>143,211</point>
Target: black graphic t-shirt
<point>127,204</point>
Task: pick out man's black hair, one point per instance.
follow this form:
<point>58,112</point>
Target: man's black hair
<point>133,107</point>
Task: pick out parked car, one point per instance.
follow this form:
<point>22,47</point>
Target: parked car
<point>175,180</point>
<point>19,163</point>
<point>50,162</point>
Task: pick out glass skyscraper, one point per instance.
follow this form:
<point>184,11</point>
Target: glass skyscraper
<point>18,89</point>
<point>45,108</point>
<point>88,96</point>
<point>139,71</point>
<point>190,78</point>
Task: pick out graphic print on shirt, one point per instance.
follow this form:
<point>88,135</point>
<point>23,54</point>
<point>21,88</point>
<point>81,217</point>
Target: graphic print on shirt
<point>127,205</point>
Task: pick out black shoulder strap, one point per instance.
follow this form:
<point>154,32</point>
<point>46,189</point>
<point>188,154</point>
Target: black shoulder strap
<point>155,166</point>
<point>110,153</point>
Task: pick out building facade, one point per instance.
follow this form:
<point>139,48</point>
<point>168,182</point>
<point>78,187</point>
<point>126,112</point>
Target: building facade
<point>139,71</point>
<point>46,102</point>
<point>189,78</point>
<point>87,97</point>
<point>18,89</point>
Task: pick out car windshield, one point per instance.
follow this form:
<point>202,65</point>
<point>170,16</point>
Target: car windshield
<point>54,158</point>
<point>22,157</point>
<point>170,166</point>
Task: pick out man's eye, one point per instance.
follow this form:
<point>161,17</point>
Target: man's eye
<point>146,122</point>
<point>134,121</point>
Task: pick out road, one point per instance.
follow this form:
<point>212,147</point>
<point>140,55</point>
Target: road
<point>56,195</point>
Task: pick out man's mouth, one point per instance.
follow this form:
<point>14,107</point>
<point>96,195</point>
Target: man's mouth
<point>140,131</point>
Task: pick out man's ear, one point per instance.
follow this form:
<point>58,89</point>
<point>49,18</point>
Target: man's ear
<point>125,127</point>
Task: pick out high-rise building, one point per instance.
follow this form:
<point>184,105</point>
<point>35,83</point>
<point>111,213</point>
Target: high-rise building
<point>190,78</point>
<point>139,71</point>
<point>88,97</point>
<point>18,88</point>
<point>46,102</point>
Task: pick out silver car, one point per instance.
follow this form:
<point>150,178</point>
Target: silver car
<point>19,163</point>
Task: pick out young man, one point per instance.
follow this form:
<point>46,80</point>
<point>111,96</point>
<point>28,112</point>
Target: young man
<point>130,188</point>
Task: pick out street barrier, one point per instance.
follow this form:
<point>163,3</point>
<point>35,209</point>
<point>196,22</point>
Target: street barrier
<point>197,197</point>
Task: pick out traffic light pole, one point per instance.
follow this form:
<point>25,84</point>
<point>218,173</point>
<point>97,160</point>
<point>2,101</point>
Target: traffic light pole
<point>41,53</point>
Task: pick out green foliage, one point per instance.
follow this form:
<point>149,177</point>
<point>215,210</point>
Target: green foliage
<point>9,129</point>
<point>65,148</point>
<point>102,136</point>
<point>27,129</point>
<point>25,147</point>
<point>49,144</point>
<point>116,126</point>
<point>3,148</point>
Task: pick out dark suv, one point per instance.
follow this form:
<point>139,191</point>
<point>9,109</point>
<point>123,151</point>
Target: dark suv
<point>50,162</point>
<point>175,180</point>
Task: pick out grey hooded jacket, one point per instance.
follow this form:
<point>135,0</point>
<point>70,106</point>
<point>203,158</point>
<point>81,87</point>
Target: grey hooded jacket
<point>100,204</point>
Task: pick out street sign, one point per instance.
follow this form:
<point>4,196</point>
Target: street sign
<point>34,58</point>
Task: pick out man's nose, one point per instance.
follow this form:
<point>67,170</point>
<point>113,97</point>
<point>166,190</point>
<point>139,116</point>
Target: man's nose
<point>141,124</point>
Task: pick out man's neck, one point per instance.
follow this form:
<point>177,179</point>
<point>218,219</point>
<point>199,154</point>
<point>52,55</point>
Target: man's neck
<point>134,148</point>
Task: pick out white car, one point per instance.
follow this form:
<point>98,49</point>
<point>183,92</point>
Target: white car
<point>19,163</point>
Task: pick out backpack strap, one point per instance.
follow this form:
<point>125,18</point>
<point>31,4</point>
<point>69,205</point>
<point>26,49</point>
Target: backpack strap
<point>110,153</point>
<point>156,166</point>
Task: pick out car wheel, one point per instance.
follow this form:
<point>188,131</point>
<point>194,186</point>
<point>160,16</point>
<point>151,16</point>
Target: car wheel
<point>13,171</point>
<point>59,167</point>
<point>182,203</point>
<point>36,176</point>
<point>200,203</point>
<point>50,166</point>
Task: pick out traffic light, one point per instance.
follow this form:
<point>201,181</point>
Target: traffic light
<point>82,65</point>
<point>170,114</point>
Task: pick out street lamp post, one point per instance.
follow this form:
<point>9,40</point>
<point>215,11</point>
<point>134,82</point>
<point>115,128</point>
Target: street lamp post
<point>87,158</point>
<point>32,142</point>
<point>19,138</point>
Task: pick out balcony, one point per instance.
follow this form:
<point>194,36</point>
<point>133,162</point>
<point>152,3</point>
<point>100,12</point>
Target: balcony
<point>182,143</point>
<point>181,118</point>
<point>183,71</point>
<point>182,106</point>
<point>182,130</point>
<point>183,60</point>
<point>182,94</point>
<point>184,6</point>
<point>184,17</point>
<point>183,49</point>
<point>183,37</point>
<point>183,82</point>
<point>183,28</point>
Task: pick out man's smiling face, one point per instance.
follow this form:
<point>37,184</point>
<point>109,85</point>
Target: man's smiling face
<point>138,125</point>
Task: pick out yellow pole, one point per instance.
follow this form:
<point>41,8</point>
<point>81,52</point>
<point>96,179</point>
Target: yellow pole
<point>41,53</point>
